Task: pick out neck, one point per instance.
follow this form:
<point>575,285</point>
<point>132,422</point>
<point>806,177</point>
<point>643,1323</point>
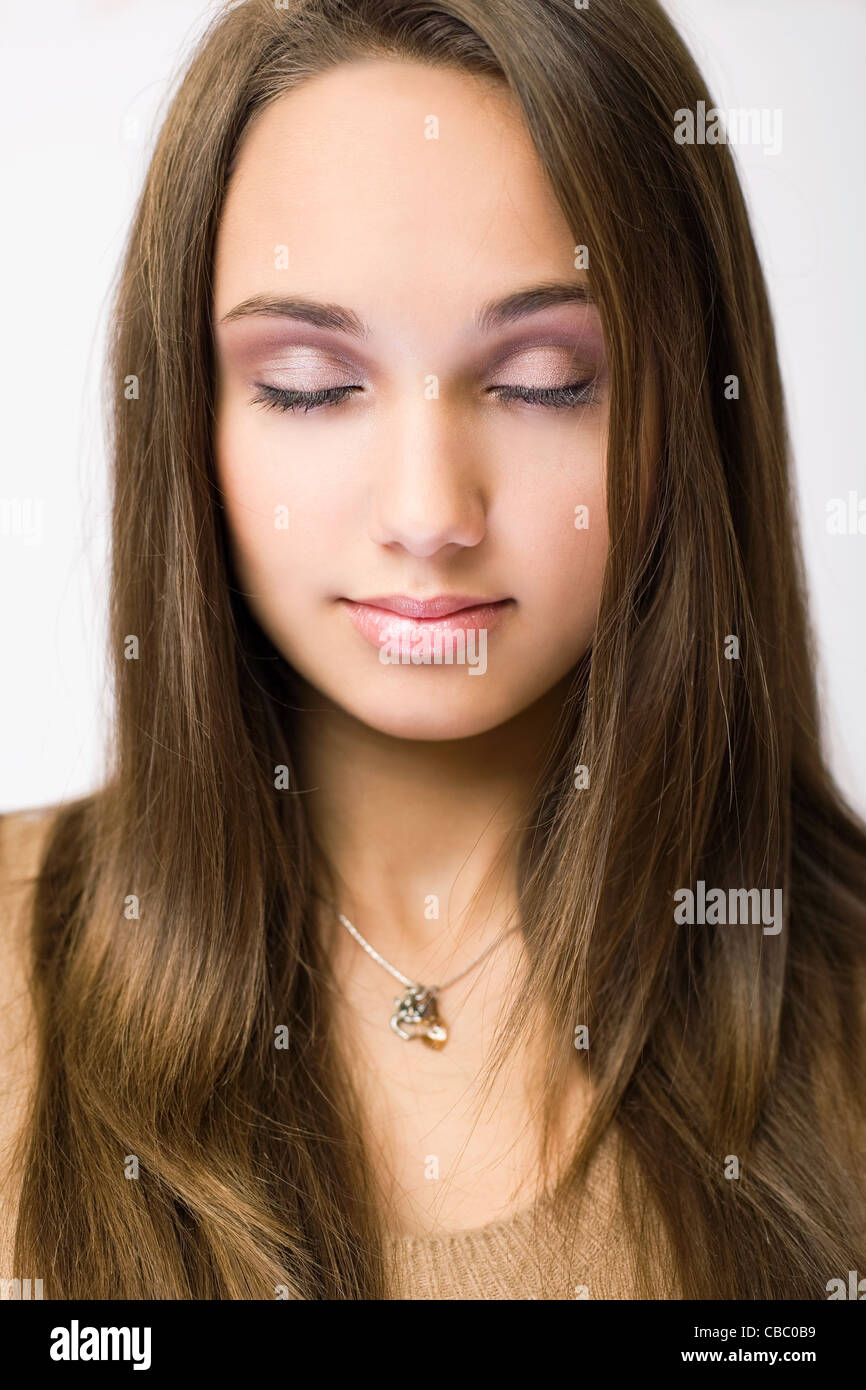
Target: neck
<point>421,837</point>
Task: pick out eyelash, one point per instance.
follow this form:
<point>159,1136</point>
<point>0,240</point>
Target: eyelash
<point>576,393</point>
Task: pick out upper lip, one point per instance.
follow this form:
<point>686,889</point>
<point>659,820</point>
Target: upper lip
<point>442,606</point>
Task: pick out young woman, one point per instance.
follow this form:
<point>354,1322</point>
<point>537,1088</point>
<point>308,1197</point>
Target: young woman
<point>468,910</point>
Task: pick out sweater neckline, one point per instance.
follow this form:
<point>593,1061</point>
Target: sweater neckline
<point>472,1235</point>
<point>599,1207</point>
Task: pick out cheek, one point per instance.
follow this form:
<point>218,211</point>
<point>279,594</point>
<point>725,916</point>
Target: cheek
<point>281,515</point>
<point>558,538</point>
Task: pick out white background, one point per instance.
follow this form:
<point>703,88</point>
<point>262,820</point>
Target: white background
<point>82,87</point>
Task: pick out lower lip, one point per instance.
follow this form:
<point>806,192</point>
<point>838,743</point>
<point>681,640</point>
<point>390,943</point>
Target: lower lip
<point>378,625</point>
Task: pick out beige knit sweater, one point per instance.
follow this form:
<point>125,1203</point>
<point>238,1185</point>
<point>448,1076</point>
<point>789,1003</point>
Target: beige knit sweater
<point>536,1255</point>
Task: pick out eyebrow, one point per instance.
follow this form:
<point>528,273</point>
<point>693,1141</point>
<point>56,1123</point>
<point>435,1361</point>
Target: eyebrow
<point>495,313</point>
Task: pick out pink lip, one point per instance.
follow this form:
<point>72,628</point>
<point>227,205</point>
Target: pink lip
<point>395,615</point>
<point>440,607</point>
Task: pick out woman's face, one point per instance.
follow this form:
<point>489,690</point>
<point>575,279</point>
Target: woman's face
<point>391,249</point>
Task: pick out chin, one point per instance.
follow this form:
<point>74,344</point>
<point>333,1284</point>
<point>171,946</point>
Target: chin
<point>435,729</point>
<point>433,715</point>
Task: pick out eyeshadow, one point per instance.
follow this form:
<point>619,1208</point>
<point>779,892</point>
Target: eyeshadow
<point>268,343</point>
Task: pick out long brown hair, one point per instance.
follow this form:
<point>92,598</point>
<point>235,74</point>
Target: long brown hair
<point>157,1032</point>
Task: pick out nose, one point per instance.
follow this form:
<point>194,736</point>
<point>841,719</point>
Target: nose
<point>426,491</point>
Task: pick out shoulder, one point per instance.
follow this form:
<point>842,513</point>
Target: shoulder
<point>23,840</point>
<point>24,837</point>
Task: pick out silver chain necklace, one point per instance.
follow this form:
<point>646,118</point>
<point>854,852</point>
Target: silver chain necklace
<point>418,1007</point>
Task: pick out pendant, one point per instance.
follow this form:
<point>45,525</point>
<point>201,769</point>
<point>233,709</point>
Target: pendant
<point>417,1008</point>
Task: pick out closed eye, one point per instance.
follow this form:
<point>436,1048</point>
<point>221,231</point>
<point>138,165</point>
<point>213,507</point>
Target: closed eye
<point>279,399</point>
<point>574,394</point>
<point>559,397</point>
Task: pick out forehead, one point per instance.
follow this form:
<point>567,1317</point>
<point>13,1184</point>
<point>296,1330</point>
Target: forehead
<point>390,184</point>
